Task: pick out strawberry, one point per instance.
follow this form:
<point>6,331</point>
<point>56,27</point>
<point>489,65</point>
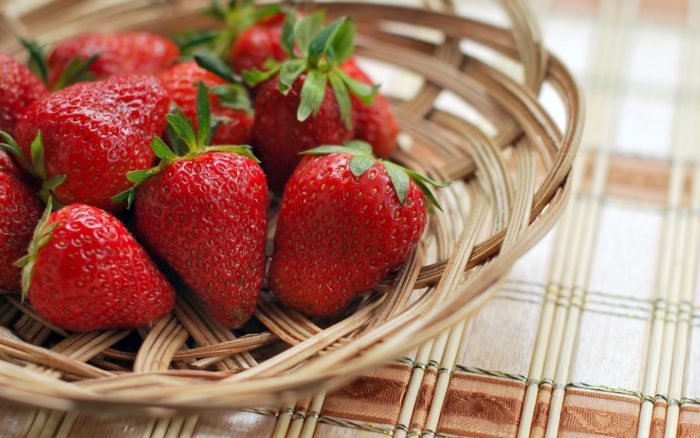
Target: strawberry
<point>85,272</point>
<point>19,88</point>
<point>373,123</point>
<point>307,103</point>
<point>258,44</point>
<point>230,107</point>
<point>346,220</point>
<point>19,213</point>
<point>279,136</point>
<point>91,134</point>
<point>205,214</point>
<point>129,52</point>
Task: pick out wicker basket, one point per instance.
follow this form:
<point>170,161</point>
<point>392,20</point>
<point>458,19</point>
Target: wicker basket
<point>510,188</point>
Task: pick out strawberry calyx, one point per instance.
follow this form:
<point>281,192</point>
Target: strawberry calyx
<point>76,70</point>
<point>236,15</point>
<point>43,233</point>
<point>319,52</point>
<point>36,166</point>
<point>362,160</point>
<point>195,144</point>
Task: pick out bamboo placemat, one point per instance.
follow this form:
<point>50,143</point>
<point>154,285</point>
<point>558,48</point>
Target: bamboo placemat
<point>595,332</point>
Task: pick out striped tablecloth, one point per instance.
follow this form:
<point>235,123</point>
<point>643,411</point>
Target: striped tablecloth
<point>595,332</point>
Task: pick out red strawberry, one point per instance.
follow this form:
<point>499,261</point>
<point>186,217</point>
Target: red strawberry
<point>346,220</point>
<point>307,103</point>
<point>130,52</point>
<point>181,82</point>
<point>373,123</point>
<point>205,214</point>
<point>257,44</point>
<point>94,133</point>
<point>19,213</point>
<point>279,136</point>
<point>19,88</point>
<point>85,272</point>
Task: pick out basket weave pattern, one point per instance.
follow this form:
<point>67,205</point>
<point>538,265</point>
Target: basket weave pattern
<point>510,188</point>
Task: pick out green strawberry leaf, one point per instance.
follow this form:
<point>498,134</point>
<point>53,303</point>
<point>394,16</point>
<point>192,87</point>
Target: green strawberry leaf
<point>343,43</point>
<point>306,30</point>
<point>365,92</point>
<point>216,10</point>
<point>178,145</point>
<point>203,115</point>
<point>52,183</point>
<point>432,200</point>
<point>77,70</point>
<point>213,64</point>
<point>287,36</point>
<point>127,196</point>
<point>141,175</point>
<point>360,164</point>
<point>43,233</point>
<point>12,147</point>
<point>359,145</point>
<point>262,13</point>
<point>37,59</point>
<point>399,179</point>
<point>289,73</point>
<point>37,154</point>
<point>329,149</point>
<point>232,96</point>
<point>312,93</point>
<point>162,150</point>
<point>320,44</point>
<point>183,130</point>
<point>190,41</point>
<point>342,96</point>
<point>254,76</point>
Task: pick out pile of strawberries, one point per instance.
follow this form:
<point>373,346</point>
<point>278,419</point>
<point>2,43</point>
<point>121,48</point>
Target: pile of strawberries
<point>142,156</point>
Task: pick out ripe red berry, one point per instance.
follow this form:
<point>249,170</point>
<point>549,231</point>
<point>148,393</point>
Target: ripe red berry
<point>86,272</point>
<point>205,214</point>
<point>257,44</point>
<point>181,82</point>
<point>279,136</point>
<point>94,133</point>
<point>307,103</point>
<point>345,222</point>
<point>19,213</point>
<point>129,52</point>
<point>19,88</point>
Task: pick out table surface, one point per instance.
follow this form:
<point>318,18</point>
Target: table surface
<point>595,332</point>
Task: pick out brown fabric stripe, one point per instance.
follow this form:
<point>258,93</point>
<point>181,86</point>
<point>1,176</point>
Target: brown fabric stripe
<point>425,398</point>
<point>375,397</point>
<point>591,412</point>
<point>539,422</point>
<point>658,420</point>
<point>689,421</point>
<point>481,406</point>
